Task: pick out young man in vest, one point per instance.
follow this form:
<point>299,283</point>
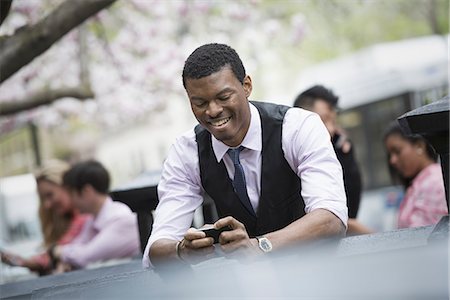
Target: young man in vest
<point>275,180</point>
<point>112,233</point>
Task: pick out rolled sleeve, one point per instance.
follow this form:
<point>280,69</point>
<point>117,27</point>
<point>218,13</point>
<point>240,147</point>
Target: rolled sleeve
<point>180,194</point>
<point>308,150</point>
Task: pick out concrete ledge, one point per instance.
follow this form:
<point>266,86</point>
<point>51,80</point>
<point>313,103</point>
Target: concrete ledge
<point>380,265</point>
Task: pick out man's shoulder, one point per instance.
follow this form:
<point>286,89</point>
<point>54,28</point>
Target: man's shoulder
<point>267,105</point>
<point>184,147</point>
<point>297,115</point>
<point>118,210</point>
<point>187,137</point>
<point>270,111</point>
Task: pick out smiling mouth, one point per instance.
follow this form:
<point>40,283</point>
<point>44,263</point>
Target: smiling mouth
<point>219,123</point>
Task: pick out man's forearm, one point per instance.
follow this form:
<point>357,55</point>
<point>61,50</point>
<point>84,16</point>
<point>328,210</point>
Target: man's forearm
<point>318,224</point>
<point>162,250</point>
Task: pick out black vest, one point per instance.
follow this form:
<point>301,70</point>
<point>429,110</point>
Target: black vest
<point>280,202</point>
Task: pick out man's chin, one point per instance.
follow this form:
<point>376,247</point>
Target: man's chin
<point>222,136</point>
<point>218,131</point>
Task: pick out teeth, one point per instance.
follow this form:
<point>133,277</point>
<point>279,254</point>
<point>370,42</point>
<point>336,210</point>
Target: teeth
<point>220,122</point>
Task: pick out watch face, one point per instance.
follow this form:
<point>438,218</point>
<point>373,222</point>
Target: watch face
<point>265,245</point>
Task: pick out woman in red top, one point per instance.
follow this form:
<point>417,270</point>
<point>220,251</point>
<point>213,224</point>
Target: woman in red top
<point>60,221</point>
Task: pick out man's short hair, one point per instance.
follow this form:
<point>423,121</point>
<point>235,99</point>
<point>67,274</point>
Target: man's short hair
<point>311,95</point>
<point>89,172</point>
<point>211,58</point>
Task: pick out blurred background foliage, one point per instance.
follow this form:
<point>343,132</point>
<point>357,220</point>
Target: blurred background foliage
<point>134,52</point>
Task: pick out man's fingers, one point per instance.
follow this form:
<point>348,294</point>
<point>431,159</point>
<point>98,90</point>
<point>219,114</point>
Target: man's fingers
<point>195,239</point>
<point>194,234</point>
<point>229,221</point>
<point>199,243</point>
<point>233,235</point>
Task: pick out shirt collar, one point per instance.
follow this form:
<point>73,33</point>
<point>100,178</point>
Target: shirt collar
<point>252,140</point>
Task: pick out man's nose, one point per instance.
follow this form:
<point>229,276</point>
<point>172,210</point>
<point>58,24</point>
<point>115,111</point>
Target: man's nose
<point>214,109</point>
<point>393,160</point>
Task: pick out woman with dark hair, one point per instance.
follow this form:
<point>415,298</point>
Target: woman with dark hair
<point>413,162</point>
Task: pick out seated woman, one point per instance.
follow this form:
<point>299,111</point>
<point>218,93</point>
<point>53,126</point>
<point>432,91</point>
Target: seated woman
<point>414,160</point>
<point>60,221</point>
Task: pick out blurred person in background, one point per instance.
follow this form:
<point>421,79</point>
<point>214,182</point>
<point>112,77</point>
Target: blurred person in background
<point>60,221</point>
<point>413,162</point>
<point>323,101</point>
<point>112,232</point>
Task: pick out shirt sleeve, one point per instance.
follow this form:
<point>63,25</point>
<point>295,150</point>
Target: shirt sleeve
<point>74,229</point>
<point>179,193</point>
<point>117,239</point>
<point>309,152</point>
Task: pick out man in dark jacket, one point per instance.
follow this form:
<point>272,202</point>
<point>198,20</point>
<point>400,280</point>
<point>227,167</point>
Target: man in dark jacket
<point>322,101</point>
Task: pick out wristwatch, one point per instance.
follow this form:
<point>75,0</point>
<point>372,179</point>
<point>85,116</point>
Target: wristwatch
<point>264,244</point>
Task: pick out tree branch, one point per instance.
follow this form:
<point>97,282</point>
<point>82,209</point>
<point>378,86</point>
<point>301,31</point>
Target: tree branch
<point>42,98</point>
<point>29,42</point>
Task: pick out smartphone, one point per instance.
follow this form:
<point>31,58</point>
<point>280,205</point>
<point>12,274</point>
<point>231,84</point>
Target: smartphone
<point>210,231</point>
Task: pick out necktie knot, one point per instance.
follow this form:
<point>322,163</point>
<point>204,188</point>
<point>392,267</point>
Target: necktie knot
<point>234,154</point>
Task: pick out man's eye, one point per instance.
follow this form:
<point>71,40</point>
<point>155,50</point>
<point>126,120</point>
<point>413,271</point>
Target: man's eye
<point>199,104</point>
<point>224,98</point>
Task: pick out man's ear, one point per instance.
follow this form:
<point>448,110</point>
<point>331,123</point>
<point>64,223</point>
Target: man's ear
<point>87,189</point>
<point>247,85</point>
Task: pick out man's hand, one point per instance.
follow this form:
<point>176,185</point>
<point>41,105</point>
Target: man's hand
<point>237,240</point>
<point>196,247</point>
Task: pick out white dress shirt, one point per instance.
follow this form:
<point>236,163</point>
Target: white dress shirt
<point>307,148</point>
